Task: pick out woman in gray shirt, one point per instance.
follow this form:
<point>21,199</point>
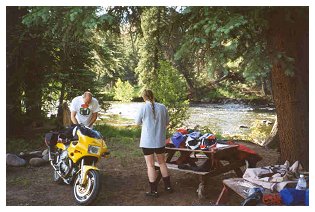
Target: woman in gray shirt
<point>154,119</point>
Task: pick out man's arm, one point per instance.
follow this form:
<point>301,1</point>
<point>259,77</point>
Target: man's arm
<point>93,119</point>
<point>73,119</point>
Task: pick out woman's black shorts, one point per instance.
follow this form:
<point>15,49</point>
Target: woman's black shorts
<point>150,151</point>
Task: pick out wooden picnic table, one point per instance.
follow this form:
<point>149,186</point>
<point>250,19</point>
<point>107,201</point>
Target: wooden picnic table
<point>221,160</point>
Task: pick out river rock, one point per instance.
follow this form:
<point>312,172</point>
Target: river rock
<point>269,123</point>
<point>14,160</point>
<point>243,126</point>
<point>27,156</point>
<point>36,153</point>
<point>266,122</point>
<point>37,162</point>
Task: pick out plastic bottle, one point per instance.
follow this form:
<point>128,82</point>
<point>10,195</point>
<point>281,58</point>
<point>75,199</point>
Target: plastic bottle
<point>301,185</point>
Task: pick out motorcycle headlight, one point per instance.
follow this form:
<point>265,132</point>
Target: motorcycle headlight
<point>93,149</point>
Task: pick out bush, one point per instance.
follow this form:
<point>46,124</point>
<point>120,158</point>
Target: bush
<point>171,90</point>
<point>124,91</point>
<point>259,132</point>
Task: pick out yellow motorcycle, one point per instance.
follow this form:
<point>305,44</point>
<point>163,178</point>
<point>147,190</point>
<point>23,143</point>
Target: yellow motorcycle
<point>73,154</point>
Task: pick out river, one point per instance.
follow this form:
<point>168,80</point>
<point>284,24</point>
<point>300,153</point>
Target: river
<point>228,119</point>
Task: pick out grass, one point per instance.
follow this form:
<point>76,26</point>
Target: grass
<point>114,119</point>
<point>109,131</point>
<point>120,136</point>
<point>122,141</point>
<point>124,149</point>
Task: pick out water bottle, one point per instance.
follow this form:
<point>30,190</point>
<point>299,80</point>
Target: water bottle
<point>301,185</point>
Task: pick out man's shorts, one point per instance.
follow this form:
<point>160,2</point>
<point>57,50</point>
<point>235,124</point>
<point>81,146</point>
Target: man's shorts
<point>150,151</point>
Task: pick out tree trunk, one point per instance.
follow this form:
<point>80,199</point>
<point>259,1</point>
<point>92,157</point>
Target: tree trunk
<point>183,70</point>
<point>263,86</point>
<point>66,119</point>
<point>33,80</point>
<point>13,100</point>
<point>62,93</point>
<point>33,94</point>
<point>290,93</point>
<point>14,78</point>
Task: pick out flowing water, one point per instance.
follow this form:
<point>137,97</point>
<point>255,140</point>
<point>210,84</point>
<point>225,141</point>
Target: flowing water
<point>228,119</point>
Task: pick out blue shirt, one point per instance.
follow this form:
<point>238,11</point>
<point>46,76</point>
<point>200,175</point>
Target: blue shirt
<point>153,132</point>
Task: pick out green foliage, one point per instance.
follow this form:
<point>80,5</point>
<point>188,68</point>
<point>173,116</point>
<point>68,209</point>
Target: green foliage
<point>148,52</point>
<point>124,91</point>
<point>259,131</point>
<point>57,53</point>
<point>171,90</point>
<point>218,36</point>
<point>231,90</point>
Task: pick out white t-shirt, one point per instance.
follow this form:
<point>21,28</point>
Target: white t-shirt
<point>84,114</point>
<point>153,133</point>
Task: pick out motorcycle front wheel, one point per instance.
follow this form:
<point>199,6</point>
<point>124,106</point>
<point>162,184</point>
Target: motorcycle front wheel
<point>87,193</point>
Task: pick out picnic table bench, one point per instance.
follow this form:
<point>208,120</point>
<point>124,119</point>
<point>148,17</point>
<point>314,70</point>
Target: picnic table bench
<point>239,186</point>
<point>222,160</point>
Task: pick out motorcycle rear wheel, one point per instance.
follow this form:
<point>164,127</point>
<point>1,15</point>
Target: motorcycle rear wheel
<point>87,194</point>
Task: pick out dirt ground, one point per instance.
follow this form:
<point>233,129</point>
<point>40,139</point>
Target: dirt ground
<point>122,185</point>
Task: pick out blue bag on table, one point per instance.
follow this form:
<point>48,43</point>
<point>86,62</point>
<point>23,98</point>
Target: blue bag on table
<point>306,197</point>
<point>177,139</point>
<point>292,196</point>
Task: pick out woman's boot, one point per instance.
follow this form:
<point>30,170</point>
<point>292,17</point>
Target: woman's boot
<point>153,192</point>
<point>167,184</point>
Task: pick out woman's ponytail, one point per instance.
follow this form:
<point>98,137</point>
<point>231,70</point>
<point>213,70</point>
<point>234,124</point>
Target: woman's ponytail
<point>148,94</point>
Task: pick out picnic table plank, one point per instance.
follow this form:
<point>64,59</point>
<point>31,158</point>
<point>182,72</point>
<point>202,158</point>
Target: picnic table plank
<point>213,150</point>
<point>175,167</point>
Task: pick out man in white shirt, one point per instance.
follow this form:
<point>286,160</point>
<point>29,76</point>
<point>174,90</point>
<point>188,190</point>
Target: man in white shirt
<point>84,109</point>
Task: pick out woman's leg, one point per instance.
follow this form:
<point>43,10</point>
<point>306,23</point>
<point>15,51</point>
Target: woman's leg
<point>163,167</point>
<point>164,172</point>
<point>149,159</point>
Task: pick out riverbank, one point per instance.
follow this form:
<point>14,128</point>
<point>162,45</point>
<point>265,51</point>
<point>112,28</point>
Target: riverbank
<point>250,102</point>
<point>253,101</point>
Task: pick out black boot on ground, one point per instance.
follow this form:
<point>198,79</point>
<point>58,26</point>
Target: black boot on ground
<point>153,192</point>
<point>167,184</point>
